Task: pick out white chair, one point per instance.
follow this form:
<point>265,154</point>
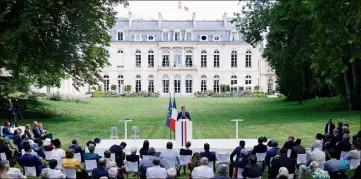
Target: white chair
<point>184,159</point>
<point>90,164</point>
<point>260,157</point>
<point>343,154</point>
<point>48,155</point>
<point>354,164</point>
<point>168,162</point>
<point>289,153</point>
<point>223,158</point>
<point>112,156</point>
<point>60,164</point>
<point>77,156</point>
<point>146,157</point>
<point>301,159</point>
<point>322,165</point>
<point>70,173</point>
<point>30,171</point>
<point>239,172</point>
<point>211,164</point>
<point>131,167</point>
<point>3,156</point>
<point>291,175</point>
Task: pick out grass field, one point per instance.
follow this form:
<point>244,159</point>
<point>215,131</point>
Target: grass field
<point>211,117</point>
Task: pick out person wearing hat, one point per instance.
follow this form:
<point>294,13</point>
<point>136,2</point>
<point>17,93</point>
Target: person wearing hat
<point>183,114</point>
<point>282,161</point>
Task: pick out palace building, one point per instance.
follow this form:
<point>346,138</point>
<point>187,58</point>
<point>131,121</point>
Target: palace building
<point>181,57</point>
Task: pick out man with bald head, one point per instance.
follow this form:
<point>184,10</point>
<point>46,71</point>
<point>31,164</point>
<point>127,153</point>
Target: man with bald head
<point>203,171</point>
<point>100,171</point>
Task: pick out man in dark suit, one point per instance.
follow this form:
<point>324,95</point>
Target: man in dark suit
<point>329,127</point>
<point>119,154</point>
<point>100,171</point>
<point>77,149</point>
<point>236,152</point>
<point>6,131</point>
<point>282,161</point>
<point>37,131</point>
<point>183,114</point>
<point>210,155</point>
<point>133,157</point>
<point>260,148</point>
<point>289,143</point>
<point>297,149</point>
<point>30,160</point>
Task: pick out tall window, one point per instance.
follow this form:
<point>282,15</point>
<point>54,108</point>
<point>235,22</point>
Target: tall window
<point>165,58</point>
<point>203,59</point>
<point>234,59</point>
<point>106,83</point>
<point>176,36</point>
<point>177,58</point>
<point>216,83</point>
<point>165,80</point>
<point>233,82</point>
<point>248,80</point>
<point>151,83</point>
<point>120,58</point>
<point>138,59</point>
<point>189,84</point>
<point>120,36</point>
<point>189,61</point>
<point>270,85</point>
<point>248,59</point>
<point>234,36</point>
<point>138,84</point>
<point>165,36</point>
<point>203,83</point>
<point>177,84</point>
<point>120,83</point>
<point>216,59</point>
<point>189,36</point>
<point>150,59</point>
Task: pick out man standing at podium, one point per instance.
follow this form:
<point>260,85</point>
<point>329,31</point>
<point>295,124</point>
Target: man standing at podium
<point>183,114</point>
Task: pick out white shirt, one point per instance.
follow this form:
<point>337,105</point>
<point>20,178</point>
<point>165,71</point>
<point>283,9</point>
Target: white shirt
<point>156,172</point>
<point>58,154</point>
<point>15,173</point>
<point>52,173</point>
<point>202,171</point>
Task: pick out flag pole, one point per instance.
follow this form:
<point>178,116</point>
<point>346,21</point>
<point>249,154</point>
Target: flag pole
<point>170,131</point>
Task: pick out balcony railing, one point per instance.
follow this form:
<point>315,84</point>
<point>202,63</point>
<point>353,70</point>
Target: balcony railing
<point>177,68</point>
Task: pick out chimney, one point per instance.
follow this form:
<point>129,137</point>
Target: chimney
<point>159,19</point>
<point>225,19</point>
<point>130,19</point>
<point>194,19</point>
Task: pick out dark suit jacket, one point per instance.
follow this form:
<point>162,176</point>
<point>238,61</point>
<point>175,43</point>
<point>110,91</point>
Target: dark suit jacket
<point>5,149</point>
<point>99,172</point>
<point>185,152</point>
<point>332,127</point>
<point>7,132</point>
<point>30,160</point>
<point>252,171</point>
<point>186,116</point>
<point>119,155</point>
<point>210,155</point>
<point>260,148</point>
<point>282,161</point>
<point>297,149</point>
<point>77,149</point>
<point>236,152</point>
<point>288,145</point>
<point>37,132</point>
<point>27,133</point>
<point>132,158</point>
<point>143,152</point>
<point>343,145</point>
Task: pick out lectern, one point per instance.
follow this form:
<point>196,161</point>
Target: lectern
<point>183,131</point>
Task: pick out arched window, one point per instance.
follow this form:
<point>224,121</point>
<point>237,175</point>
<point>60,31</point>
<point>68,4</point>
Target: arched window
<point>177,84</point>
<point>120,83</point>
<point>248,59</point>
<point>138,59</point>
<point>106,83</point>
<point>165,58</point>
<point>248,80</point>
<point>216,59</point>
<point>165,80</point>
<point>204,59</point>
<point>189,58</point>
<point>216,83</point>
<point>270,85</point>
<point>138,83</point>
<point>234,59</point>
<point>151,83</point>
<point>177,58</point>
<point>189,84</point>
<point>150,59</point>
<point>203,83</point>
<point>234,82</point>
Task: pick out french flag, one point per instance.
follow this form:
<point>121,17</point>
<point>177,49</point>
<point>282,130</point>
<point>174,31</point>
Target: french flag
<point>174,115</point>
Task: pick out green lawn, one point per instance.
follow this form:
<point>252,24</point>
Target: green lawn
<point>211,117</point>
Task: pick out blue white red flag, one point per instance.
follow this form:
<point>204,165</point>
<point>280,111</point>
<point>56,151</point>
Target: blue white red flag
<point>174,115</point>
<point>169,112</point>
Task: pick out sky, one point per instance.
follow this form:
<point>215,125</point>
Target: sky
<point>207,10</point>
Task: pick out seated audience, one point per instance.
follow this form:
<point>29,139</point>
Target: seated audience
<point>132,157</point>
<point>319,140</point>
<point>222,172</point>
<point>317,172</point>
<point>156,171</point>
<point>333,165</point>
<point>210,155</point>
<point>3,170</point>
<point>344,145</point>
<point>236,152</point>
<point>100,171</point>
<point>37,131</point>
<point>4,148</point>
<point>91,155</point>
<point>290,143</point>
<point>48,146</point>
<point>355,153</point>
<point>316,155</point>
<point>195,161</point>
<point>58,153</point>
<point>77,148</point>
<point>70,162</point>
<point>146,163</point>
<point>30,160</point>
<point>52,172</point>
<point>109,162</point>
<point>119,154</point>
<point>203,171</point>
<point>297,149</point>
<point>6,131</point>
<point>282,173</point>
<point>339,127</point>
<point>144,149</point>
<point>169,158</point>
<point>186,150</point>
<point>27,131</point>
<point>12,171</point>
<point>17,138</point>
<point>260,147</point>
<point>252,170</point>
<point>282,161</point>
<point>38,148</point>
<point>113,173</point>
<point>271,153</point>
<point>171,173</point>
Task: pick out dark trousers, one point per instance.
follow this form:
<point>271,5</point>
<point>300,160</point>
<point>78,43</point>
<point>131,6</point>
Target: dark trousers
<point>82,175</point>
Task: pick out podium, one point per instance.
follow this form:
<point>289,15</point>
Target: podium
<point>183,131</point>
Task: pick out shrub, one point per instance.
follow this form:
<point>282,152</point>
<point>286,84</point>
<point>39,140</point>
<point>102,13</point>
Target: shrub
<point>97,94</point>
<point>256,88</point>
<point>43,113</point>
<point>113,87</point>
<point>55,97</point>
<point>128,88</point>
<point>228,88</point>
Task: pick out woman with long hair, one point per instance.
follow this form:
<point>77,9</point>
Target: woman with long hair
<point>195,162</point>
<point>144,149</point>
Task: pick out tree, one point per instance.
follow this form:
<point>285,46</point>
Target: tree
<point>44,41</point>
